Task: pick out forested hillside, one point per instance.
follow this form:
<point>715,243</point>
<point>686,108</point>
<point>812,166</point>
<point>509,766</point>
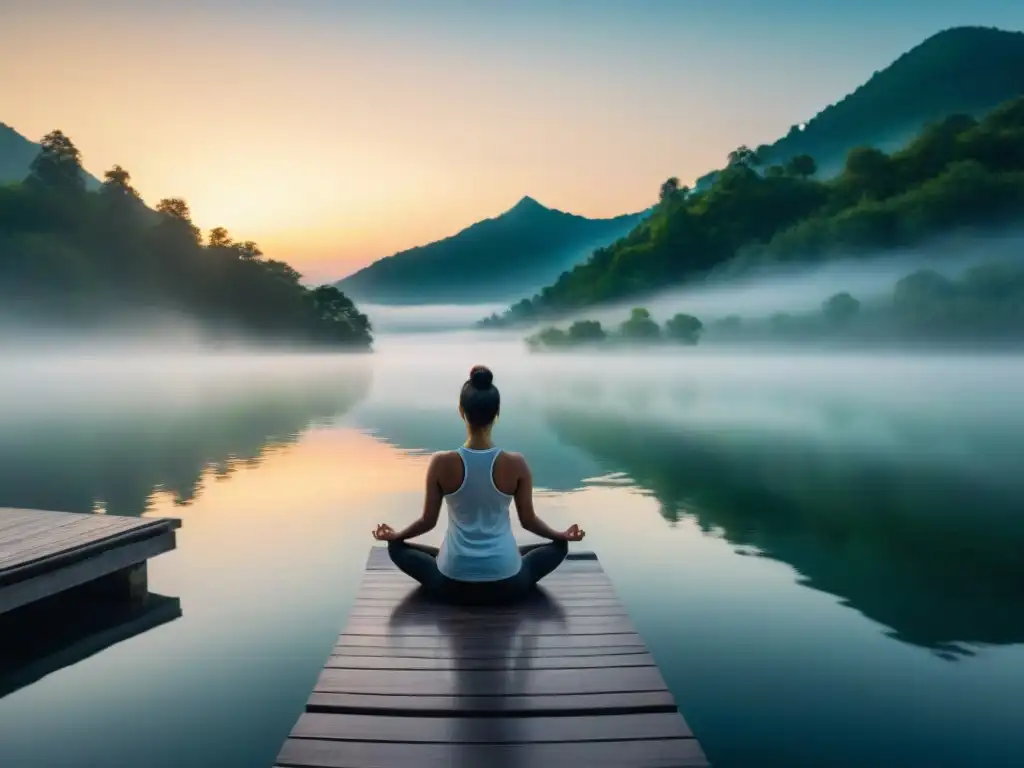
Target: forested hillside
<point>959,172</point>
<point>71,258</point>
<point>964,70</point>
<point>490,261</point>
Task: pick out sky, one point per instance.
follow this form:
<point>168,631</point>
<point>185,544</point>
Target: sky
<point>337,132</point>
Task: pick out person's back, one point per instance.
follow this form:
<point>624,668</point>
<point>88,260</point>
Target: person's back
<point>479,559</point>
<point>479,544</point>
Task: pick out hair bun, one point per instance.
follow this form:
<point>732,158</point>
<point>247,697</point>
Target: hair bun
<point>481,377</point>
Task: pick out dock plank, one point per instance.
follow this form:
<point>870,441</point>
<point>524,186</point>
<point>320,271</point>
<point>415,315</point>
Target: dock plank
<point>459,662</point>
<point>584,625</point>
<point>562,678</point>
<point>538,644</point>
<point>448,682</point>
<point>315,753</point>
<point>490,730</point>
<point>396,653</point>
<point>484,706</point>
<point>43,553</point>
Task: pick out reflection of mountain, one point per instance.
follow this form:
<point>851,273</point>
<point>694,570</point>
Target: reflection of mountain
<point>555,466</point>
<point>924,549</point>
<point>77,458</point>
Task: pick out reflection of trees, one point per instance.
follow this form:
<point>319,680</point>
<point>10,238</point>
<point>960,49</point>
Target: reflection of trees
<point>931,552</point>
<point>118,459</point>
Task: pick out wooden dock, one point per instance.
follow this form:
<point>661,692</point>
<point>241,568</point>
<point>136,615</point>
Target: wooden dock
<point>44,553</point>
<point>560,680</point>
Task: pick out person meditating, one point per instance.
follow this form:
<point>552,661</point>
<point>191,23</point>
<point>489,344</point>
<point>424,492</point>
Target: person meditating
<point>479,561</point>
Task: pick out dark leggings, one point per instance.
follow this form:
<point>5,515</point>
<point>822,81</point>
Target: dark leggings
<point>420,562</point>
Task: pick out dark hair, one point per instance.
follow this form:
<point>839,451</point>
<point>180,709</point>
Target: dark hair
<point>479,398</point>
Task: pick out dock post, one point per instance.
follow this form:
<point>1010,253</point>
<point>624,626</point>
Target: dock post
<point>130,584</point>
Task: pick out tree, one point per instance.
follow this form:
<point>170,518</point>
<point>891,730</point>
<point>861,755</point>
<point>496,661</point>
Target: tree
<point>869,170</point>
<point>669,189</point>
<point>802,166</point>
<point>219,238</point>
<point>840,309</point>
<point>1008,116</point>
<point>684,328</point>
<point>337,314</point>
<point>248,251</point>
<point>282,271</point>
<point>58,166</point>
<point>82,259</point>
<point>117,182</point>
<point>583,331</point>
<point>548,338</point>
<point>176,213</point>
<point>956,175</point>
<point>744,155</point>
<point>920,291</point>
<point>640,325</point>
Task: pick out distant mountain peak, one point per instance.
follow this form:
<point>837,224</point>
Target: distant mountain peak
<point>527,203</point>
<point>966,69</point>
<point>492,260</point>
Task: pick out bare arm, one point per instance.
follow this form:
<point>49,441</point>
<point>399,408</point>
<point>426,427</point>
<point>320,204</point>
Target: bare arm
<point>524,506</point>
<point>431,504</point>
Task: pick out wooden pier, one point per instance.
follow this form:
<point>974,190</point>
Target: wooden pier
<point>44,553</point>
<point>560,680</point>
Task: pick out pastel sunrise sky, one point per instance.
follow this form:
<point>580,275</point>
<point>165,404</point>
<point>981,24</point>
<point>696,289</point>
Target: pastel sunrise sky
<point>334,133</point>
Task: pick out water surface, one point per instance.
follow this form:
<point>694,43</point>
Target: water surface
<point>822,552</point>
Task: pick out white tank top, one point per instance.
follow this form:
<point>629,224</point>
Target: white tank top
<point>479,545</point>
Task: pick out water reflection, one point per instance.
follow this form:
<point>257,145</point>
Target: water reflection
<point>910,540</point>
<point>114,449</point>
<point>891,482</point>
<point>44,637</point>
<point>492,656</point>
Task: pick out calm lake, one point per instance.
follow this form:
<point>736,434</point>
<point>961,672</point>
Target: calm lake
<point>823,552</point>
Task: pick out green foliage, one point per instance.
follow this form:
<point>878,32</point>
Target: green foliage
<point>840,309</point>
<point>684,328</point>
<point>745,156</point>
<point>58,166</point>
<point>985,305</point>
<point>986,302</point>
<point>640,326</point>
<point>548,338</point>
<point>962,70</point>
<point>492,260</point>
<point>74,258</point>
<point>958,172</point>
<point>586,330</point>
<point>669,189</point>
<point>803,166</point>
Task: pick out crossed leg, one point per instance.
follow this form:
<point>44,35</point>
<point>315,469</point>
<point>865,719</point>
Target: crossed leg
<point>419,562</point>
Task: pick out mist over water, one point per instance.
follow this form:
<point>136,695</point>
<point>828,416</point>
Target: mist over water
<point>428,318</point>
<point>766,290</point>
<point>804,539</point>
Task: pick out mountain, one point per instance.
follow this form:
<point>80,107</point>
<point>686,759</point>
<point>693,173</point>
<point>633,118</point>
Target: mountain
<point>958,175</point>
<point>16,155</point>
<point>493,260</point>
<point>966,70</point>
